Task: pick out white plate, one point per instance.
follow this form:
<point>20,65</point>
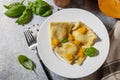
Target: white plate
<point>62,68</point>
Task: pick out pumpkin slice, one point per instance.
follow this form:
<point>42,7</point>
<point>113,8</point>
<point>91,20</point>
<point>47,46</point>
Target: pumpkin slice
<point>110,7</point>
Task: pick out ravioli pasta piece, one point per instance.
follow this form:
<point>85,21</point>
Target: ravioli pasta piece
<point>78,37</point>
<point>59,30</point>
<point>87,39</point>
<point>80,56</point>
<point>66,50</point>
<point>80,60</point>
<point>77,25</point>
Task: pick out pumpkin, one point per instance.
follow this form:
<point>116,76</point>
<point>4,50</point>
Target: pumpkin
<point>110,7</point>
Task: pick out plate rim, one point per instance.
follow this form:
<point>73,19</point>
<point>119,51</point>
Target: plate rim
<point>81,10</point>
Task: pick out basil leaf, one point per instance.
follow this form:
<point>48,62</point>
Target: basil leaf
<point>41,8</point>
<point>47,13</point>
<point>25,17</point>
<point>11,5</point>
<point>39,4</point>
<point>42,3</point>
<point>26,62</point>
<point>64,40</point>
<point>15,11</point>
<point>90,51</point>
<point>25,14</point>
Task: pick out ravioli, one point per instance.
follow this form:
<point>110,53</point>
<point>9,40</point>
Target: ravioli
<point>67,51</point>
<point>69,40</point>
<point>58,31</point>
<point>88,38</point>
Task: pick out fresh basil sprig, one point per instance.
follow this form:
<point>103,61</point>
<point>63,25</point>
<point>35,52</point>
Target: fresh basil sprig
<point>26,62</point>
<point>15,11</point>
<point>41,8</point>
<point>26,16</point>
<point>25,13</point>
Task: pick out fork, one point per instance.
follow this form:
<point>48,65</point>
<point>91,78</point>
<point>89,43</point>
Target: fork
<point>33,46</point>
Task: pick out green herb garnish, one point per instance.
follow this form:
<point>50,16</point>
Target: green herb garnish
<point>41,8</point>
<point>12,4</point>
<point>26,16</point>
<point>26,62</point>
<point>90,51</point>
<point>64,40</point>
<point>25,13</point>
<point>15,11</point>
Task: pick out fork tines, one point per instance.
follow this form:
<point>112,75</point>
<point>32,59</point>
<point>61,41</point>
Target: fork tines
<point>29,37</point>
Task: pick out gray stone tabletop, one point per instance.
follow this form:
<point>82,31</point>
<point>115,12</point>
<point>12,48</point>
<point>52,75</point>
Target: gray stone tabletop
<point>13,43</point>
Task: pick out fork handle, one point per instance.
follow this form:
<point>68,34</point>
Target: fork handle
<point>34,47</point>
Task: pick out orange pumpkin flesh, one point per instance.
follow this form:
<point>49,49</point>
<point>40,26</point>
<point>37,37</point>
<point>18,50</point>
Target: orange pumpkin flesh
<point>110,7</point>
